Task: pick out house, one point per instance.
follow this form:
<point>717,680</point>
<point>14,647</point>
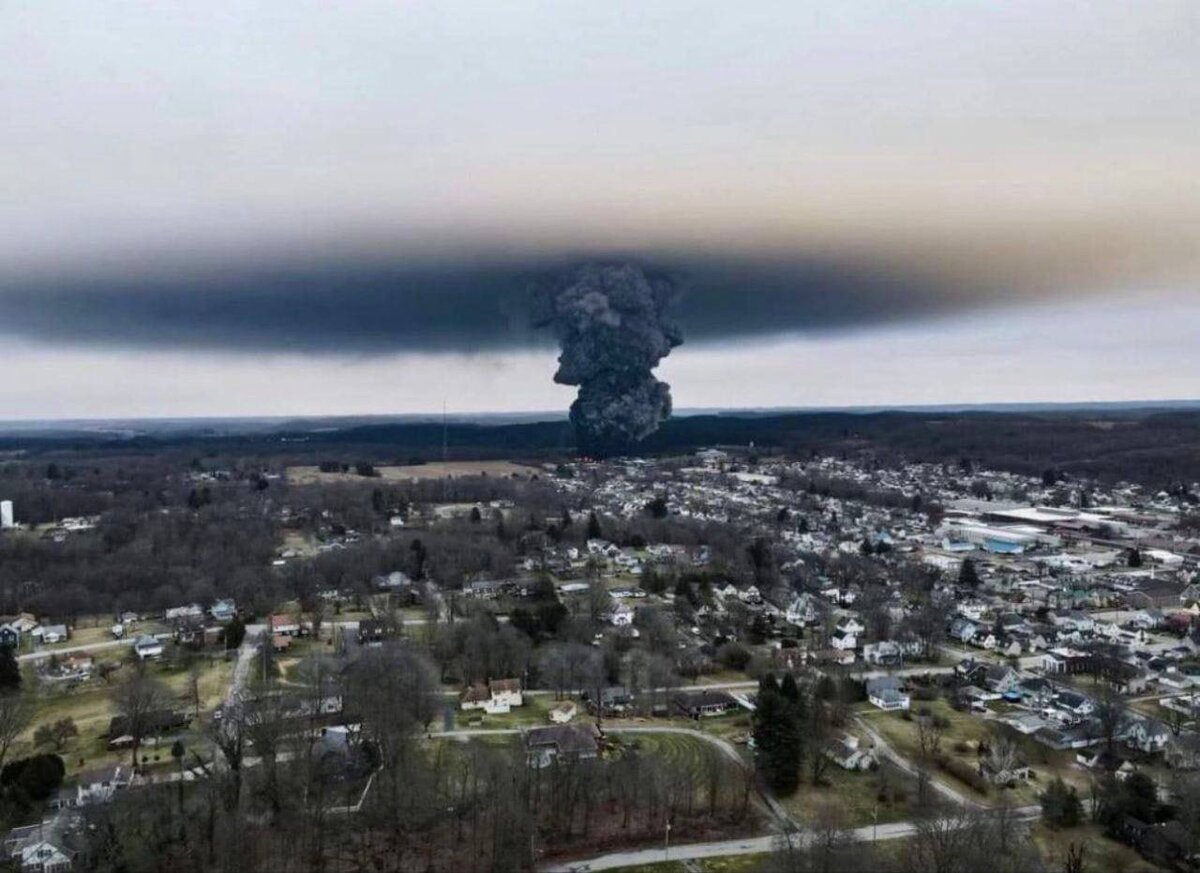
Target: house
<point>482,588</point>
<point>159,722</point>
<point>545,745</point>
<point>884,692</point>
<point>44,856</point>
<point>394,581</point>
<point>843,641</point>
<point>1073,702</point>
<point>802,610</point>
<point>701,704</point>
<point>495,698</point>
<point>75,667</point>
<point>1147,619</point>
<point>373,631</point>
<point>887,653</point>
<point>24,623</point>
<point>224,610</point>
<point>847,754</point>
<point>1183,752</point>
<point>147,646</point>
<point>190,632</point>
<point>10,637</point>
<point>1147,735</point>
<point>963,630</point>
<point>621,616</point>
<point>614,700</point>
<point>50,634</point>
<point>180,613</point>
<point>99,786</point>
<point>851,625</point>
<point>1001,678</point>
<point>286,625</point>
<point>280,643</point>
<point>563,712</point>
<point>40,848</point>
<point>1036,692</point>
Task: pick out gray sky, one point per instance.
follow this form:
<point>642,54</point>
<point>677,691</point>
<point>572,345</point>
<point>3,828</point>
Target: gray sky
<point>268,207</point>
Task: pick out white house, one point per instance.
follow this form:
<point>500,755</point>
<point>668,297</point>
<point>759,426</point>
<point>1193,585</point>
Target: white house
<point>147,646</point>
<point>885,693</point>
<point>561,713</point>
<point>181,613</point>
<point>496,698</point>
<point>851,625</point>
<point>847,754</point>
<point>99,786</point>
<point>1148,735</point>
<point>843,641</point>
<point>801,610</point>
<point>52,633</point>
<point>621,616</point>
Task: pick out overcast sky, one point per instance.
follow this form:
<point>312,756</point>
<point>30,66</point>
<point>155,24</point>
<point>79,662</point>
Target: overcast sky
<point>314,208</point>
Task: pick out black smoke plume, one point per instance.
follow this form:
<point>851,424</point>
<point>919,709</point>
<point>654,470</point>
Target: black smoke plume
<point>611,321</point>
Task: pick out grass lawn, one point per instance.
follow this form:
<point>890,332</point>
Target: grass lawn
<point>902,733</point>
<point>733,864</point>
<point>1101,854</point>
<point>960,741</point>
<point>90,705</point>
<point>536,711</point>
<point>860,795</point>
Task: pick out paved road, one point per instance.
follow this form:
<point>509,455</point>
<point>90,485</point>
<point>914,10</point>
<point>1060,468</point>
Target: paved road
<point>727,848</point>
<point>42,654</point>
<point>241,670</point>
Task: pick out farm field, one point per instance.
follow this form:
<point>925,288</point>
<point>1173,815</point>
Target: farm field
<point>312,475</point>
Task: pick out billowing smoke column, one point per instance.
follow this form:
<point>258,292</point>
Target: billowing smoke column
<point>611,320</point>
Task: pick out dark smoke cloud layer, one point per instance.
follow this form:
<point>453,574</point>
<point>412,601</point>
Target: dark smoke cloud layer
<point>612,323</point>
<point>472,305</point>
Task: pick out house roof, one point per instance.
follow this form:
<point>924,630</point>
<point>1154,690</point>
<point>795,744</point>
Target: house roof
<point>565,739</point>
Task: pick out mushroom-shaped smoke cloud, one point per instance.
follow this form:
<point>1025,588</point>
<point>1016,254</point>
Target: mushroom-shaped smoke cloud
<point>611,320</point>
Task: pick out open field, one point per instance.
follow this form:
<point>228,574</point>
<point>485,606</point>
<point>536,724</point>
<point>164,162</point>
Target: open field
<point>312,475</point>
<point>860,796</point>
<point>1100,852</point>
<point>90,705</point>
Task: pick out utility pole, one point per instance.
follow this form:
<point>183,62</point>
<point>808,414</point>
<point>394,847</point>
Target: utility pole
<point>667,842</point>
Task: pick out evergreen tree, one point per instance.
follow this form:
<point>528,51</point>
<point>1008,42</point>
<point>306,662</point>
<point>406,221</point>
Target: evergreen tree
<point>235,632</point>
<point>1060,805</point>
<point>10,670</point>
<point>1135,558</point>
<point>779,733</point>
<point>594,531</point>
<point>968,577</point>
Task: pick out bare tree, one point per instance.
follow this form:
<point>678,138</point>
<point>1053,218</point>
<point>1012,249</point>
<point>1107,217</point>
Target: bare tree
<point>139,700</point>
<point>930,730</point>
<point>192,689</point>
<point>16,712</point>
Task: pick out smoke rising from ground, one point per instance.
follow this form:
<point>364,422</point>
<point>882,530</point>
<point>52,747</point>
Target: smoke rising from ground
<point>612,323</point>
